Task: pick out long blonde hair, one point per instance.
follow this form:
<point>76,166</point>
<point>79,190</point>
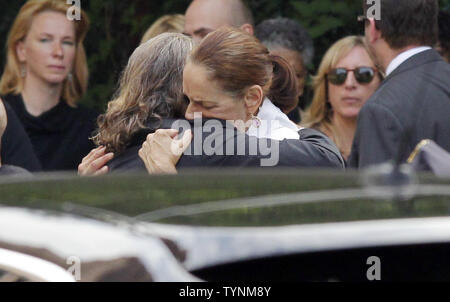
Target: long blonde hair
<point>11,80</point>
<point>165,24</point>
<point>319,114</point>
<point>151,88</point>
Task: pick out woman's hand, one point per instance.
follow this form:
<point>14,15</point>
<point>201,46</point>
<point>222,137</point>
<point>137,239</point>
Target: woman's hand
<point>161,151</point>
<point>94,163</point>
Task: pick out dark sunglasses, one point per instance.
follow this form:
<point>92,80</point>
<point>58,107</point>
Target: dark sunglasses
<point>364,75</point>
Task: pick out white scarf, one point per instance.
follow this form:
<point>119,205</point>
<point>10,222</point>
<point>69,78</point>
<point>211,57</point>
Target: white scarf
<point>274,124</point>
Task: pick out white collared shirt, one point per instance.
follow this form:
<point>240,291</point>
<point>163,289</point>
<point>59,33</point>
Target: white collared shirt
<point>402,57</point>
<point>274,124</point>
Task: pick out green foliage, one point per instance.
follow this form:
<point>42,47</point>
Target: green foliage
<point>116,30</point>
<point>117,27</point>
<point>327,21</point>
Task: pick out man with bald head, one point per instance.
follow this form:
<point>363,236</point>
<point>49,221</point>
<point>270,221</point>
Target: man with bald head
<point>205,16</point>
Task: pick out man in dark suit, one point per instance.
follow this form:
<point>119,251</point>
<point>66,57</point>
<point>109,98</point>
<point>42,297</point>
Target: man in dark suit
<point>413,102</point>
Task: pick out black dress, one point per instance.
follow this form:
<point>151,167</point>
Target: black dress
<point>16,148</point>
<point>312,150</point>
<point>60,136</point>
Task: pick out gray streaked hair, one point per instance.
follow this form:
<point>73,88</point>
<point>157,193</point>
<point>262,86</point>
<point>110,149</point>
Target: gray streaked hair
<point>286,33</point>
<point>151,89</point>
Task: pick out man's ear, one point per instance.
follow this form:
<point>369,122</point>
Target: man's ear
<point>372,33</point>
<point>21,52</point>
<point>247,28</point>
<point>253,98</point>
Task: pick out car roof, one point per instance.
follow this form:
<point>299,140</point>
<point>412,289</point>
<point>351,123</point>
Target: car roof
<point>231,198</point>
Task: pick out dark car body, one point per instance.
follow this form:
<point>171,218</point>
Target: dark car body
<point>236,225</point>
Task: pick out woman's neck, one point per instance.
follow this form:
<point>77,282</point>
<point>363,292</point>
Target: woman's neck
<point>39,96</point>
<point>345,128</point>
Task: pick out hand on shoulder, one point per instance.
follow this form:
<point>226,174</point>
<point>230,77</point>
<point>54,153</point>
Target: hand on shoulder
<point>161,151</point>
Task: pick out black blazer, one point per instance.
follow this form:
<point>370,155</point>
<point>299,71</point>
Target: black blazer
<point>411,104</point>
<point>313,149</point>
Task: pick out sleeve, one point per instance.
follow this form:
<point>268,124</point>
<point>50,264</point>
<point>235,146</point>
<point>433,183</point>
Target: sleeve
<point>16,147</point>
<point>313,149</point>
<point>377,138</point>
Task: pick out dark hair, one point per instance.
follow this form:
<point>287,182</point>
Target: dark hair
<point>284,85</point>
<point>237,60</point>
<point>286,33</point>
<point>444,30</point>
<point>407,22</point>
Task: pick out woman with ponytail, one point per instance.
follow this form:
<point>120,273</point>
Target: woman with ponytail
<point>232,76</point>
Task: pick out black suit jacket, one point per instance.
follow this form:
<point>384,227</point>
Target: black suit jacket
<point>411,104</point>
<point>235,149</point>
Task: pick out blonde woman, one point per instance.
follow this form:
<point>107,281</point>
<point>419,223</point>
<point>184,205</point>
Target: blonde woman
<point>165,24</point>
<point>45,74</point>
<point>348,75</point>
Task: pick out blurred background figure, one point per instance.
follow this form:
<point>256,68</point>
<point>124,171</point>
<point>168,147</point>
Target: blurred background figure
<point>443,46</point>
<point>348,75</point>
<point>205,16</point>
<point>16,149</point>
<point>290,40</point>
<point>45,75</point>
<point>165,24</point>
<point>7,169</point>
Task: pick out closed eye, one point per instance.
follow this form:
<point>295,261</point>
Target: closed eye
<point>203,104</point>
<point>207,106</point>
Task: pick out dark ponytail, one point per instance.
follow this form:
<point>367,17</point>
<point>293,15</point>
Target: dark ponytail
<point>284,89</point>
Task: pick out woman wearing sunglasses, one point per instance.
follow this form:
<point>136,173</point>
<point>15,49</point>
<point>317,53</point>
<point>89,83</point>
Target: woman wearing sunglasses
<point>347,77</point>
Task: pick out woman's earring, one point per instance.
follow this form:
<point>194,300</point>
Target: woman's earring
<point>23,71</point>
<point>256,121</point>
<point>70,77</point>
